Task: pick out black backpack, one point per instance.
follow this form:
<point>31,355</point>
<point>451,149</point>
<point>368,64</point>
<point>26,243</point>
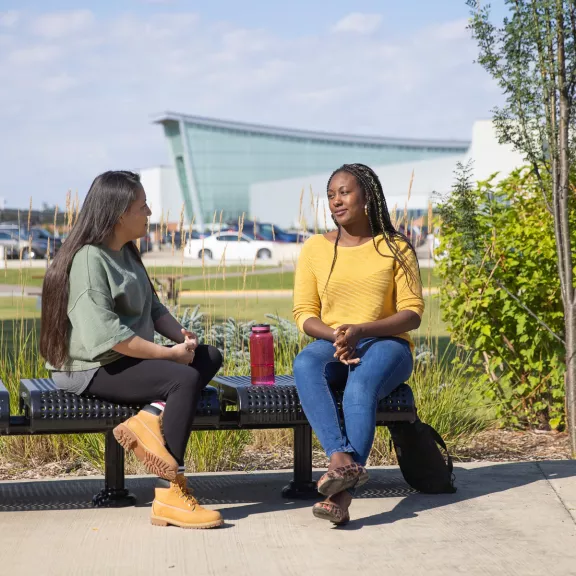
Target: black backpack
<point>421,462</point>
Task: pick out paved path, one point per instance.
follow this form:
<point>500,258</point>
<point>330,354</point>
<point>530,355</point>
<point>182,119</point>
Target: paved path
<point>506,518</point>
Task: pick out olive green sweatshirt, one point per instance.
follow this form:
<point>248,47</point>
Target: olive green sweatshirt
<point>110,300</point>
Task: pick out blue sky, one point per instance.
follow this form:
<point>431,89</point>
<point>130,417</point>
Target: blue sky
<point>82,81</point>
<point>294,18</point>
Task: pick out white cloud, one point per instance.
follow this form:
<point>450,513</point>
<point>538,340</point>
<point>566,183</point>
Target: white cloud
<point>34,54</point>
<point>455,30</point>
<point>359,23</point>
<point>74,104</point>
<point>9,19</point>
<point>59,83</point>
<point>60,24</point>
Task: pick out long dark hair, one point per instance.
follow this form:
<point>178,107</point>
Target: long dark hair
<point>378,216</point>
<point>109,197</point>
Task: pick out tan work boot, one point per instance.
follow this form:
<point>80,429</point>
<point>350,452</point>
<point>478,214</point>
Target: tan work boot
<point>142,434</point>
<point>174,504</point>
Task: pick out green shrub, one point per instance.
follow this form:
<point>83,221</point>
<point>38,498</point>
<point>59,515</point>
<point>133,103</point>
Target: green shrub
<point>500,287</point>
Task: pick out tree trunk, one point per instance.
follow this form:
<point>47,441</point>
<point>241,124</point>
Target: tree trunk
<point>561,209</point>
<point>570,384</point>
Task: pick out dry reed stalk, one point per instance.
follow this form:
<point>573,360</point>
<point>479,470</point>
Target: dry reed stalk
<point>29,218</point>
<point>393,215</point>
<point>241,226</point>
<point>76,207</point>
<point>68,211</point>
<point>214,222</point>
<point>405,218</point>
<point>220,221</point>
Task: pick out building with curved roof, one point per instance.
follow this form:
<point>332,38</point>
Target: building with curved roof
<point>218,161</point>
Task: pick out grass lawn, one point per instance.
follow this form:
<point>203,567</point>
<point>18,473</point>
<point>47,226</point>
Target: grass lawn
<point>219,309</point>
<point>22,276</point>
<point>279,281</point>
<point>33,277</point>
<point>222,308</point>
<point>14,308</point>
<point>282,280</point>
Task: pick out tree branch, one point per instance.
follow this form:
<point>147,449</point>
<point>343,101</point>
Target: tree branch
<point>523,306</point>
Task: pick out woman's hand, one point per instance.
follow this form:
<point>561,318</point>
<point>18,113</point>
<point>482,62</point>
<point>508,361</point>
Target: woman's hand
<point>347,337</point>
<point>182,353</point>
<point>190,338</point>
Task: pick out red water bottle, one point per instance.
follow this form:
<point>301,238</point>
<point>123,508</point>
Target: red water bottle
<point>262,355</point>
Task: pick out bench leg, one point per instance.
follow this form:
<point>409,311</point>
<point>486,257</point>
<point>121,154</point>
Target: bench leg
<point>114,494</point>
<point>302,486</point>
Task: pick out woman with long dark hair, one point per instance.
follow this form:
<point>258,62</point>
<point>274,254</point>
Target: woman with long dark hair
<point>99,315</point>
<point>358,292</point>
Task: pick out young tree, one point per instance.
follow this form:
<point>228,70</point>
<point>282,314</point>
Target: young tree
<point>532,56</point>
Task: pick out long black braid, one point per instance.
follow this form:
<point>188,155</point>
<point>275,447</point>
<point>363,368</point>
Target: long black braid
<point>379,218</point>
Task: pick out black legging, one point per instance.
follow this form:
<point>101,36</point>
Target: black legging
<point>135,381</point>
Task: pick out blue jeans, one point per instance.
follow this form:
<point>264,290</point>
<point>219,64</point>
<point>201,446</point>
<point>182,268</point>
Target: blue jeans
<point>384,364</point>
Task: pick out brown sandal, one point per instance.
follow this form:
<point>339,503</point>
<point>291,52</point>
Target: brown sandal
<point>342,478</point>
<point>332,512</point>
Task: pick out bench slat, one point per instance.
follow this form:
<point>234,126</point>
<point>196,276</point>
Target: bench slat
<point>279,404</point>
<point>51,410</point>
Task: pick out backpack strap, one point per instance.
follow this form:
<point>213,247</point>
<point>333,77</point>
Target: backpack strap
<point>439,440</point>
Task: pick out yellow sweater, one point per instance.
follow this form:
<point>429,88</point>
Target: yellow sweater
<point>364,287</point>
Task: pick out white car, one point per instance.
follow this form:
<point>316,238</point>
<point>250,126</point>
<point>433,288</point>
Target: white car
<point>231,245</point>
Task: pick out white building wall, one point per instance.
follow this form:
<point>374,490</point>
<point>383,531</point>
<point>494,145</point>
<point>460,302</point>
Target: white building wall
<point>488,155</point>
<point>163,193</point>
<point>286,202</point>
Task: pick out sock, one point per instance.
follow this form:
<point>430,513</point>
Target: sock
<point>155,408</point>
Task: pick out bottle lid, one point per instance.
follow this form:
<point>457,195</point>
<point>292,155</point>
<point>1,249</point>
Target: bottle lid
<point>261,328</point>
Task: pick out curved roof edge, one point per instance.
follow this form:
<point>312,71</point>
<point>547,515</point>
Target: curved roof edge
<point>462,145</point>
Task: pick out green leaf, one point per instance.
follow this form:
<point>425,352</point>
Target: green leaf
<point>555,422</point>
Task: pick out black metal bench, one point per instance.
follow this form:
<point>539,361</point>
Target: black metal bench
<point>4,409</point>
<point>236,405</point>
<point>278,406</point>
<point>48,410</point>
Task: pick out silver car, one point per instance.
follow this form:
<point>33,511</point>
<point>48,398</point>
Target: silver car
<point>10,241</point>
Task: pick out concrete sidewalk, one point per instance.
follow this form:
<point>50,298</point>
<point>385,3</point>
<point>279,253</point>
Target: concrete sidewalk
<point>506,518</point>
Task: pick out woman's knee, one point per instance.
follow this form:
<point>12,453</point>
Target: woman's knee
<point>215,357</point>
<point>208,360</point>
<point>303,363</point>
<point>315,355</point>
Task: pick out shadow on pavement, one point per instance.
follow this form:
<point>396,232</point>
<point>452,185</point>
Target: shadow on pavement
<point>241,495</point>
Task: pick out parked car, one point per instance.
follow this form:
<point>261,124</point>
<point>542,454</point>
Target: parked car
<point>22,244</point>
<point>167,238</point>
<point>267,231</point>
<point>41,235</point>
<point>10,243</point>
<point>236,248</point>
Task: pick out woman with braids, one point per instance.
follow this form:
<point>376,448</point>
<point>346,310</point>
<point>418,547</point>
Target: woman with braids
<point>358,292</point>
<point>99,315</point>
